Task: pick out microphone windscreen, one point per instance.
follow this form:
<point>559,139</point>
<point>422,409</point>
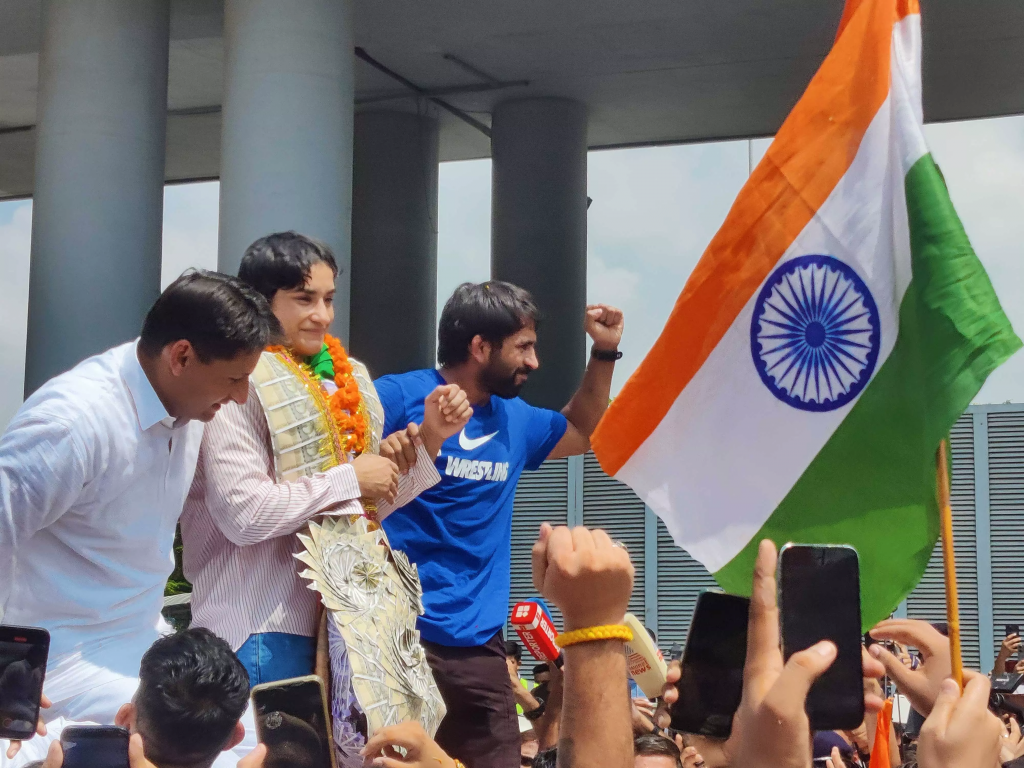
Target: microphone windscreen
<point>536,630</point>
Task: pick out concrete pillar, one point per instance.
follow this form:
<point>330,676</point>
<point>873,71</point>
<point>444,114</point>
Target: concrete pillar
<point>394,241</point>
<point>286,140</point>
<point>539,230</point>
<point>98,203</point>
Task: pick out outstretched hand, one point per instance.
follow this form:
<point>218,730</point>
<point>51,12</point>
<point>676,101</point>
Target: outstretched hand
<point>921,686</point>
<point>420,750</point>
<point>960,732</point>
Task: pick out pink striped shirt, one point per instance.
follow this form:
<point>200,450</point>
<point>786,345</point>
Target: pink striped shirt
<point>238,527</point>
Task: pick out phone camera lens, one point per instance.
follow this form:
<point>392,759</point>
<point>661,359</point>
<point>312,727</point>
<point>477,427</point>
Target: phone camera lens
<point>273,720</point>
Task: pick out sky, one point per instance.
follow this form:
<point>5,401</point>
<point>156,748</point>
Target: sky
<point>654,211</point>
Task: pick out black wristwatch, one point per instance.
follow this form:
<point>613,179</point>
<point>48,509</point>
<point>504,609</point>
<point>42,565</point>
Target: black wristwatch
<point>534,714</point>
<point>607,356</point>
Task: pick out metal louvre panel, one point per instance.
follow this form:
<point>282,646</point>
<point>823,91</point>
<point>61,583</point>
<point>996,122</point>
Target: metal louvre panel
<point>1006,510</point>
<point>613,507</point>
<point>680,580</point>
<point>928,600</point>
<point>540,496</point>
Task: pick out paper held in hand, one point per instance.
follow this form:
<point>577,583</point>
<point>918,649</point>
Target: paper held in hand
<point>644,660</point>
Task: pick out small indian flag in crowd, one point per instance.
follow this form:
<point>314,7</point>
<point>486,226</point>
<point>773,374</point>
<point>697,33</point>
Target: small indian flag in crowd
<point>834,330</point>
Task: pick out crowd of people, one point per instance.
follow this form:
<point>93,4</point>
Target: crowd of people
<point>238,416</point>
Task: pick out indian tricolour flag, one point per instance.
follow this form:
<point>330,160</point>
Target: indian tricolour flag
<point>829,337</point>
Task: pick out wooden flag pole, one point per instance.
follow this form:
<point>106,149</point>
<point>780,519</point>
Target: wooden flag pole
<point>949,565</point>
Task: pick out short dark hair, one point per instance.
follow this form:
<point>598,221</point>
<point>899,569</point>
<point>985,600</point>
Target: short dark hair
<point>513,650</point>
<point>540,669</point>
<point>220,316</point>
<point>546,758</point>
<point>652,745</point>
<point>493,310</point>
<point>282,261</point>
<point>192,692</point>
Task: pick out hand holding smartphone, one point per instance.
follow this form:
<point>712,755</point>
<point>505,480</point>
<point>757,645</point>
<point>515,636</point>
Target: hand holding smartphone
<point>23,652</point>
<point>711,684</point>
<point>292,720</point>
<point>819,599</point>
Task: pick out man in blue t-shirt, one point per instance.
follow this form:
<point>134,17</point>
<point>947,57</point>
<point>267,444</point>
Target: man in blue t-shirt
<point>459,533</point>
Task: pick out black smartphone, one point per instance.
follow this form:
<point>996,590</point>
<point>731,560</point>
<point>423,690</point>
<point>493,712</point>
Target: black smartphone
<point>94,746</point>
<point>711,683</point>
<point>292,720</point>
<point>1012,629</point>
<point>819,599</point>
<point>23,652</point>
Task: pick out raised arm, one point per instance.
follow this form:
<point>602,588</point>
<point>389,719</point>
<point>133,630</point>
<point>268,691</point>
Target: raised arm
<point>586,407</point>
<point>590,580</point>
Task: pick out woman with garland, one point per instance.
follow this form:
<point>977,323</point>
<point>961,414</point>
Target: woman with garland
<point>304,444</point>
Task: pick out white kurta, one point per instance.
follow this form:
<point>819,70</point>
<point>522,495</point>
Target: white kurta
<point>93,477</point>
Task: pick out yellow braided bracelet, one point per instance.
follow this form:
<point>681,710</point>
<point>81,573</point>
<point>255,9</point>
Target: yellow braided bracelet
<point>591,634</point>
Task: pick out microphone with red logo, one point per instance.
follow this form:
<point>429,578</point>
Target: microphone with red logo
<point>534,626</point>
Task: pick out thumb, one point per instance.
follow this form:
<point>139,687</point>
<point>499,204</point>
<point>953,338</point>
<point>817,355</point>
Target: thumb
<point>790,691</point>
<point>942,709</point>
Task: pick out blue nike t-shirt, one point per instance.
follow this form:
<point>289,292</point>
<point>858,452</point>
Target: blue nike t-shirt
<point>459,533</point>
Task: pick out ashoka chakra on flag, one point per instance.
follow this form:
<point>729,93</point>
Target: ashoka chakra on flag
<point>815,333</point>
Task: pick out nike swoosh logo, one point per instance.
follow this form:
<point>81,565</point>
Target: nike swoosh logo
<point>472,443</point>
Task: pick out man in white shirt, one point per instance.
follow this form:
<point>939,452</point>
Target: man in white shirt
<point>94,470</point>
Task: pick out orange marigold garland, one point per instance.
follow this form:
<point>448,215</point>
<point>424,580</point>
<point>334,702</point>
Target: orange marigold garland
<point>346,404</point>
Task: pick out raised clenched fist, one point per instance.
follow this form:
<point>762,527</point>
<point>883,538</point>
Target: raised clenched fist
<point>588,577</point>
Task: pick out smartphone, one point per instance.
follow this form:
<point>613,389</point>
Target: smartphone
<point>292,720</point>
<point>94,746</point>
<point>1012,629</point>
<point>711,683</point>
<point>23,652</point>
<point>819,599</point>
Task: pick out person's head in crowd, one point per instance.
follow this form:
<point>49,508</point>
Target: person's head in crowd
<point>824,741</point>
<point>192,692</point>
<point>514,655</point>
<point>547,758</point>
<point>296,275</point>
<point>490,330</point>
<point>541,674</point>
<point>201,340</point>
<point>653,751</point>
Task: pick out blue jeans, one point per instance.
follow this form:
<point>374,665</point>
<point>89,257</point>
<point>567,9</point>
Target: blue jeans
<point>272,656</point>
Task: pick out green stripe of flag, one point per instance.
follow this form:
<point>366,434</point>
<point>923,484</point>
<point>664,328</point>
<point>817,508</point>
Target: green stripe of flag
<point>873,484</point>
